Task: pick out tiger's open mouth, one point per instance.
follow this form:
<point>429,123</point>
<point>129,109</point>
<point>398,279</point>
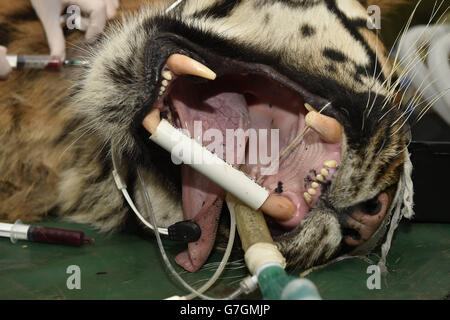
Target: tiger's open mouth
<point>254,118</point>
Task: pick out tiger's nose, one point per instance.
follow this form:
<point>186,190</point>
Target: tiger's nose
<point>365,219</point>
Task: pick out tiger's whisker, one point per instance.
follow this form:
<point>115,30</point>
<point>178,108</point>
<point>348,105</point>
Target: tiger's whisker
<point>421,114</point>
<point>430,104</point>
<point>405,29</point>
<point>398,63</point>
<point>374,71</point>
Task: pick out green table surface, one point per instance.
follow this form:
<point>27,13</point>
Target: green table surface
<point>126,266</point>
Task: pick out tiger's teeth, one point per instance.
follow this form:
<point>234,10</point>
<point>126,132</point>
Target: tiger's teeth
<point>152,120</point>
<point>181,64</point>
<point>315,185</point>
<point>329,129</point>
<point>309,107</point>
<point>324,172</point>
<point>165,83</point>
<point>311,191</point>
<point>330,163</point>
<point>307,197</point>
<point>167,75</point>
<point>278,207</point>
<point>320,177</point>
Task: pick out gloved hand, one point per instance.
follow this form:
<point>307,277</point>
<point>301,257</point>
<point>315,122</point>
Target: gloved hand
<point>5,68</point>
<point>49,12</point>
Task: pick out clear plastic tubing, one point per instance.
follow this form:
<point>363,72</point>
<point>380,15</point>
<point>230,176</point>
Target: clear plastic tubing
<point>213,279</point>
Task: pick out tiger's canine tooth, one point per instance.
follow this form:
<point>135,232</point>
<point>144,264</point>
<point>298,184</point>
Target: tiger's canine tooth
<point>307,197</point>
<point>167,75</point>
<point>315,185</point>
<point>320,177</point>
<point>311,191</point>
<point>181,64</point>
<point>309,107</point>
<point>152,120</point>
<point>329,129</point>
<point>324,172</point>
<point>278,207</point>
<point>330,163</point>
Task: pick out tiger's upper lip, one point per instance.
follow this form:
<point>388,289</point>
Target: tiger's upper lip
<point>223,65</point>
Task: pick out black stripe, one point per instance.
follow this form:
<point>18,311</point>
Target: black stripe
<point>68,129</point>
<point>289,3</point>
<point>307,30</point>
<point>112,113</point>
<point>335,55</point>
<point>106,160</point>
<point>23,15</point>
<point>6,31</point>
<point>218,10</point>
<point>373,67</point>
<point>120,73</point>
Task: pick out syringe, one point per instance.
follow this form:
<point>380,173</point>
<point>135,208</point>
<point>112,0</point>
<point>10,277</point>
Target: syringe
<point>19,231</point>
<point>41,62</point>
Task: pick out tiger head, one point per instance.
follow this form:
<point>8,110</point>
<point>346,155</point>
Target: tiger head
<point>270,57</point>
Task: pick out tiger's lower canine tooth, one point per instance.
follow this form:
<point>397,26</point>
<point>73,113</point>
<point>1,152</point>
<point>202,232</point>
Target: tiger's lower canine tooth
<point>181,64</point>
<point>329,129</point>
<point>278,207</point>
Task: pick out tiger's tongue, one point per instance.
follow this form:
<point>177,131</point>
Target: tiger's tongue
<point>202,199</point>
<point>202,203</point>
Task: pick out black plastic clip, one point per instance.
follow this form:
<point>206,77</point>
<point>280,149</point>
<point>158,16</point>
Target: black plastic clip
<point>186,231</point>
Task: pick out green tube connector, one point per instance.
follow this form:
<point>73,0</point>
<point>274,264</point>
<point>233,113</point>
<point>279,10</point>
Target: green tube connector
<point>276,284</point>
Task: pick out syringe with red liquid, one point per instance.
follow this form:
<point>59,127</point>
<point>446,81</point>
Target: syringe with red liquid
<point>41,62</point>
<point>19,231</point>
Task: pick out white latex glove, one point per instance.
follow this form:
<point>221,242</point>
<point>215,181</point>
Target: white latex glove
<point>49,12</point>
<point>5,68</point>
